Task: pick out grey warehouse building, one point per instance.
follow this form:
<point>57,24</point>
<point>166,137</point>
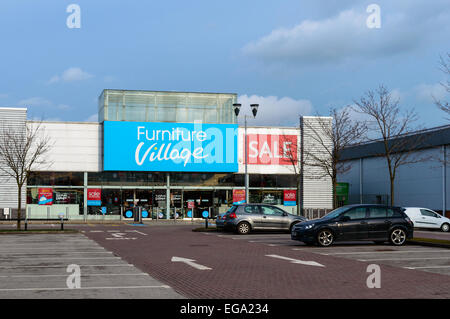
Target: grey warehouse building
<point>422,184</point>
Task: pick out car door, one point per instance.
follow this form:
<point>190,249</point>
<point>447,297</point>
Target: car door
<point>252,214</point>
<point>428,219</point>
<point>272,217</point>
<point>378,223</point>
<point>355,227</point>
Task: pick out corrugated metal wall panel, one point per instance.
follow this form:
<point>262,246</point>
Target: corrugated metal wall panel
<point>317,185</point>
<point>15,119</point>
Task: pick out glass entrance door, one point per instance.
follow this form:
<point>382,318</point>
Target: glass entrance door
<point>197,202</point>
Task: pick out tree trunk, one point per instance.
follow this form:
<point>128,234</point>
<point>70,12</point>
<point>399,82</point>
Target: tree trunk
<point>334,182</point>
<point>392,191</point>
<point>19,207</point>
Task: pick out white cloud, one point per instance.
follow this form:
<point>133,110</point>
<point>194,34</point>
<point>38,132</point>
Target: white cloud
<point>92,118</point>
<point>274,111</point>
<point>109,78</point>
<point>42,103</point>
<point>35,101</point>
<point>346,36</point>
<point>70,75</point>
<point>429,92</point>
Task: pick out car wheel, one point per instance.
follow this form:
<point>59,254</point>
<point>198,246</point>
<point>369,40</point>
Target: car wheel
<point>397,237</point>
<point>445,227</point>
<point>325,238</point>
<point>243,228</point>
<point>292,226</point>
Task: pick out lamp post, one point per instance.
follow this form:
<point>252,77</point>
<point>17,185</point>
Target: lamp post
<point>237,108</point>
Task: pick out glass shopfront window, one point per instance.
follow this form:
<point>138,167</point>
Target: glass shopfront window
<point>206,179</point>
<point>127,178</point>
<point>266,197</point>
<point>56,178</point>
<point>110,203</point>
<point>64,200</point>
<point>272,180</point>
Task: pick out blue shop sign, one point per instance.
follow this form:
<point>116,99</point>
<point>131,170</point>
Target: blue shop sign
<point>170,147</point>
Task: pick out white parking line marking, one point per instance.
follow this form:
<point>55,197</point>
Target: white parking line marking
<point>388,252</point>
<point>297,261</point>
<point>431,267</point>
<point>426,258</point>
<point>18,255</point>
<point>92,251</point>
<point>86,288</point>
<point>86,275</point>
<point>56,258</point>
<point>96,231</point>
<point>59,266</point>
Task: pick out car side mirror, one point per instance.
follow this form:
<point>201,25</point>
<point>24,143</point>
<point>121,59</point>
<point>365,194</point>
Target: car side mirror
<point>285,214</point>
<point>344,219</point>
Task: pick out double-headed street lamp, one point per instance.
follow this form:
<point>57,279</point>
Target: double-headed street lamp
<point>237,108</point>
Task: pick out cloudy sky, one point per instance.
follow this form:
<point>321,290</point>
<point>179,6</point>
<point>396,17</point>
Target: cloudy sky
<point>291,57</point>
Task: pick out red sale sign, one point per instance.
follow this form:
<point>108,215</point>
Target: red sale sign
<point>45,196</point>
<point>270,149</point>
<point>94,197</point>
<point>290,197</point>
<point>238,196</point>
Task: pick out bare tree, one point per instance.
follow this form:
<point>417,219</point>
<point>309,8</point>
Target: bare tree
<point>330,140</point>
<point>292,156</point>
<point>327,137</point>
<point>20,152</point>
<point>445,67</point>
<point>394,129</point>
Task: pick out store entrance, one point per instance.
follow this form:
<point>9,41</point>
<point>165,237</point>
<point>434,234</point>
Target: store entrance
<point>197,202</point>
<point>132,199</point>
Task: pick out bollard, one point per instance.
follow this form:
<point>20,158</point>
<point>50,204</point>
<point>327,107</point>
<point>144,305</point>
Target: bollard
<point>26,224</point>
<point>62,223</point>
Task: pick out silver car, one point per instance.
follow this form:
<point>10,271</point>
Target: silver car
<point>248,217</point>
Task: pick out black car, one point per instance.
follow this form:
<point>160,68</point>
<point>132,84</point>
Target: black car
<point>376,223</point>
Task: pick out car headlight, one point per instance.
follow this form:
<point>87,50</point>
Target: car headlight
<point>309,226</point>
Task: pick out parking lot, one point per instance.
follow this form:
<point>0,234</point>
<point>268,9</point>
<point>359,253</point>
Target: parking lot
<point>430,259</point>
<point>35,266</point>
<point>172,261</point>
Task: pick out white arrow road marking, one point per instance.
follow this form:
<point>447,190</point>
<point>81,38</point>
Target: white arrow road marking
<point>118,235</point>
<point>190,262</point>
<point>141,233</point>
<point>297,261</point>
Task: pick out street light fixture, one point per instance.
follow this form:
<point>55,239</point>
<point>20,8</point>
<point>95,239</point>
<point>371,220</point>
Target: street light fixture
<point>254,108</point>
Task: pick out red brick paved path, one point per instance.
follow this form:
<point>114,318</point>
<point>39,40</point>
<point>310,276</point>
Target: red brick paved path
<point>241,269</point>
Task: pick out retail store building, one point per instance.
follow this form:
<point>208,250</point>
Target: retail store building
<point>423,183</point>
<point>170,153</point>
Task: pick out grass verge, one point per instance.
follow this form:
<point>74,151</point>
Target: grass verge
<point>203,229</point>
<point>430,242</point>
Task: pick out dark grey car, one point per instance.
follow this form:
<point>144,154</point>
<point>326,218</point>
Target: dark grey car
<point>248,217</point>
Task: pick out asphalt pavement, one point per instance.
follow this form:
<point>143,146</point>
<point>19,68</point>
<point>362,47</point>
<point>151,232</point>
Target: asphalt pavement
<point>43,266</point>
